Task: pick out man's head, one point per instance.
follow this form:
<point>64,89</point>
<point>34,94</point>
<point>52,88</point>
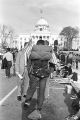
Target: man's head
<point>40,42</point>
<point>8,49</point>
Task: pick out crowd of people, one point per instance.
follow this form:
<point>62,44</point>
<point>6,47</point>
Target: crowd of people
<point>70,57</point>
<point>33,65</point>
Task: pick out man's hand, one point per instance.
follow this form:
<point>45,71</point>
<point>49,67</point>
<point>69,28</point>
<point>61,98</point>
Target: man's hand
<point>70,76</point>
<point>74,118</point>
<point>20,76</point>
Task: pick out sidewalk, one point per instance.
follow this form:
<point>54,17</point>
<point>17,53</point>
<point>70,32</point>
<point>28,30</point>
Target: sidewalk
<point>6,84</point>
<point>55,108</point>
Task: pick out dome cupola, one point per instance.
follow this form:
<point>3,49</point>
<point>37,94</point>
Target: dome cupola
<point>42,22</point>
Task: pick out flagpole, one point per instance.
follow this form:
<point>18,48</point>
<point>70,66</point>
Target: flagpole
<point>41,12</point>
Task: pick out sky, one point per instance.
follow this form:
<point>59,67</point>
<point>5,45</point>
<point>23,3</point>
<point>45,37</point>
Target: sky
<point>23,15</point>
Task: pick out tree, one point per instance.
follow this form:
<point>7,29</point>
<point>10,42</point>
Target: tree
<point>6,35</point>
<point>69,33</point>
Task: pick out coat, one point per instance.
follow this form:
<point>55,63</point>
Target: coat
<point>21,59</point>
<point>20,62</point>
<point>22,71</point>
<point>20,67</point>
<point>41,52</point>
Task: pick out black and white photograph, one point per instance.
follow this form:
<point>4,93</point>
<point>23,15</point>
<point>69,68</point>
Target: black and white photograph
<point>39,59</point>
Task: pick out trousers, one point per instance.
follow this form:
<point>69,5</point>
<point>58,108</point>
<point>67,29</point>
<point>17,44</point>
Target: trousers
<point>7,70</point>
<point>36,83</point>
<point>23,84</point>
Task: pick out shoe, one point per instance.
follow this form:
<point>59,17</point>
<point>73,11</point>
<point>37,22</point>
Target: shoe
<point>39,113</point>
<point>35,115</point>
<point>24,96</point>
<point>68,117</point>
<point>73,97</point>
<point>19,98</point>
<point>72,118</point>
<point>26,104</point>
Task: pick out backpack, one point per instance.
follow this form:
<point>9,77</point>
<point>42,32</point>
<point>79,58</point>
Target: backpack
<point>4,64</point>
<point>40,68</point>
<point>40,56</point>
<point>42,52</point>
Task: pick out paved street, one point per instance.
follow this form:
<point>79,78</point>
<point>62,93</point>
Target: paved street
<point>10,108</point>
<point>39,34</point>
<point>57,107</point>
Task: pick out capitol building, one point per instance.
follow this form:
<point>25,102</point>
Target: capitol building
<point>41,31</point>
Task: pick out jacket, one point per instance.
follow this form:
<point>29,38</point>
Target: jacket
<point>20,62</point>
<point>42,52</point>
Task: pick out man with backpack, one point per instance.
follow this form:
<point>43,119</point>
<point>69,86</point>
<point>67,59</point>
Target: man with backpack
<point>38,71</point>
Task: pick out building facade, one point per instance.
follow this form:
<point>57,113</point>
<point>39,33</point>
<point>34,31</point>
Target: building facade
<point>41,31</point>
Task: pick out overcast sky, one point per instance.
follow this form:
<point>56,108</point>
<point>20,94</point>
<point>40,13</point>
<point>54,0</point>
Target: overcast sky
<point>22,15</point>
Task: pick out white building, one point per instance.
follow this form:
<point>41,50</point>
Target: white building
<point>76,43</point>
<point>41,31</point>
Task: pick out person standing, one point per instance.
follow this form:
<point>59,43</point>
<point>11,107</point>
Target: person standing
<point>63,58</point>
<point>38,73</point>
<point>14,60</point>
<point>9,57</point>
<point>70,58</point>
<point>21,70</point>
<point>76,61</point>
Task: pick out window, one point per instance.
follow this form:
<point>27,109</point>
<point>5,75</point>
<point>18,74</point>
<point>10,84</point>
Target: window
<point>37,37</point>
<point>21,38</point>
<point>33,37</point>
<point>40,29</point>
<point>40,37</point>
<point>48,37</point>
<point>25,39</point>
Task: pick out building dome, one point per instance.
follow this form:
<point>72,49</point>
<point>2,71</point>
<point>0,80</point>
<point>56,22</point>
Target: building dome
<point>42,22</point>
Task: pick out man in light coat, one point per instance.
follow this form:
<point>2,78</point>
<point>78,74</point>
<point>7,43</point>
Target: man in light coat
<point>21,70</point>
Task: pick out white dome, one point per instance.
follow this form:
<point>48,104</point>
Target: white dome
<point>42,22</point>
